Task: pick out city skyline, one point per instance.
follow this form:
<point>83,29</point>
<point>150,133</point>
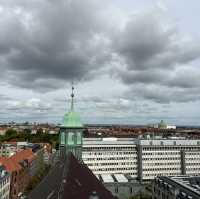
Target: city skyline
<point>132,62</point>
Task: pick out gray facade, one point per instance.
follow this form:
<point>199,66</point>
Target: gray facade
<point>124,190</point>
<point>122,186</point>
<point>142,159</point>
<point>180,187</point>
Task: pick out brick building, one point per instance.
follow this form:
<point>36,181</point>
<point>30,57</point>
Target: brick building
<point>19,166</point>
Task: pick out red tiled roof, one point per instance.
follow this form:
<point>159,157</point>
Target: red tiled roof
<point>12,163</point>
<point>10,142</point>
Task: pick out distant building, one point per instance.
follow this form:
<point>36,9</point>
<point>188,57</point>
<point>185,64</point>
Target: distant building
<point>47,152</point>
<point>4,183</point>
<point>162,125</point>
<point>8,149</point>
<point>180,187</point>
<point>3,130</point>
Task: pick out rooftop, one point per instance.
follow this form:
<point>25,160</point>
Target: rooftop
<point>70,180</point>
<point>109,141</point>
<point>189,185</point>
<point>148,142</point>
<point>13,163</point>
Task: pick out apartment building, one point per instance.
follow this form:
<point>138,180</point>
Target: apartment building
<point>4,183</point>
<point>142,159</point>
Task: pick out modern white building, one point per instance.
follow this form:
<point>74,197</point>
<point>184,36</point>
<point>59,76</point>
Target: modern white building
<point>110,155</point>
<point>4,183</point>
<point>192,163</point>
<point>142,159</point>
<point>166,157</point>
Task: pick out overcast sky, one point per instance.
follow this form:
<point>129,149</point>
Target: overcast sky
<point>133,62</point>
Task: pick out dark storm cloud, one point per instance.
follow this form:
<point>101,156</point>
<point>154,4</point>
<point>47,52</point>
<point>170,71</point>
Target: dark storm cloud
<point>54,40</point>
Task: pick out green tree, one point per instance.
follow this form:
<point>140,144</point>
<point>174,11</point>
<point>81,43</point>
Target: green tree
<point>11,132</point>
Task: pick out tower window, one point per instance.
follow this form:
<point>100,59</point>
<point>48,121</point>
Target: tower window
<point>70,138</point>
<point>62,138</point>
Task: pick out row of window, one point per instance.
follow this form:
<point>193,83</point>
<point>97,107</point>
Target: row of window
<point>160,163</point>
<point>160,158</point>
<point>108,158</point>
<point>170,148</point>
<point>162,153</point>
<point>113,169</point>
<point>85,148</point>
<point>108,153</point>
<point>161,169</point>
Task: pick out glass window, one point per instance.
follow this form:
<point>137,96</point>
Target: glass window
<point>79,138</point>
<point>70,138</point>
<point>62,138</point>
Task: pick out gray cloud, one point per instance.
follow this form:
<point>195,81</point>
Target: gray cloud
<point>54,42</point>
<point>43,47</point>
<point>163,94</point>
<point>158,62</point>
<point>147,44</point>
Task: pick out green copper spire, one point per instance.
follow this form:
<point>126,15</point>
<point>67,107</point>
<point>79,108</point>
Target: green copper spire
<point>72,119</point>
<point>71,132</point>
<point>72,95</point>
<point>162,125</point>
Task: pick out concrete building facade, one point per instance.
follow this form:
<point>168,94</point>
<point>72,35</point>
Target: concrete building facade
<point>142,159</point>
<point>110,155</point>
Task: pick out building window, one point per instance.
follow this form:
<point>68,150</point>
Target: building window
<point>79,138</point>
<point>62,138</point>
<point>70,138</point>
<point>131,190</point>
<point>116,189</point>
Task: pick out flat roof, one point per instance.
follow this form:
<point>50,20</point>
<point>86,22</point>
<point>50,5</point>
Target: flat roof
<point>109,141</point>
<point>107,178</point>
<point>169,142</point>
<point>143,142</point>
<point>120,178</point>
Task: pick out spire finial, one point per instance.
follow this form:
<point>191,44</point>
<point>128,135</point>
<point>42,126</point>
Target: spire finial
<point>72,95</point>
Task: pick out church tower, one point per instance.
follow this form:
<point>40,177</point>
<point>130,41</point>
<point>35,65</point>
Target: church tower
<point>71,132</point>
